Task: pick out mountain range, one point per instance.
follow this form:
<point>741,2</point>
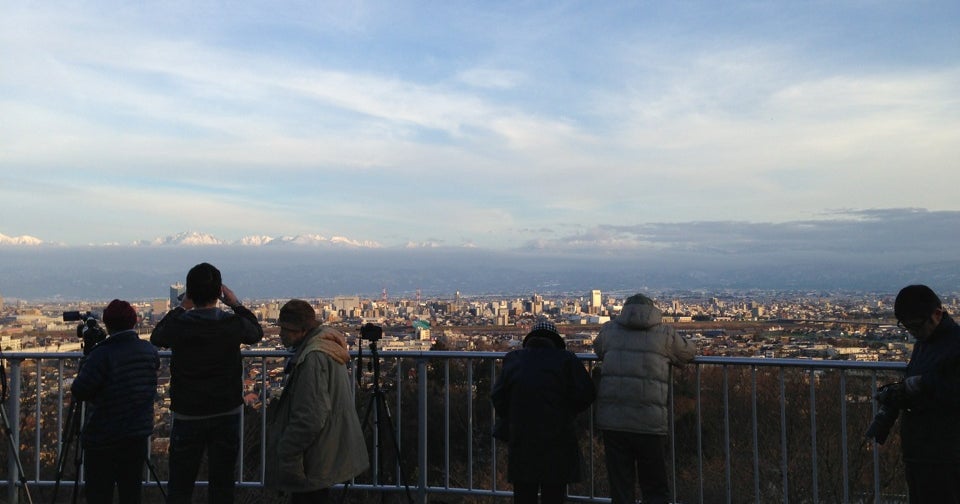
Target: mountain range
<point>196,238</point>
<point>265,267</point>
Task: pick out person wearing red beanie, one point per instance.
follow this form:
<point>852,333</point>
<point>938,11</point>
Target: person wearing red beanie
<point>119,316</point>
<point>118,381</point>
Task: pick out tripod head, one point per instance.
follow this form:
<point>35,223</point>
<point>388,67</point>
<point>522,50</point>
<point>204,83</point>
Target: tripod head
<point>88,330</point>
<point>372,333</point>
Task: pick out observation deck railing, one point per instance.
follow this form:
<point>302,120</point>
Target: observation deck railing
<point>742,429</point>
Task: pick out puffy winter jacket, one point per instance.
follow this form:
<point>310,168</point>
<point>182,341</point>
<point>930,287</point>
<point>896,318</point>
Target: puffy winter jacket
<point>118,381</point>
<point>637,351</point>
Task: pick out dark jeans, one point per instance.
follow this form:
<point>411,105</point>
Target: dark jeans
<point>219,437</point>
<point>631,458</point>
<point>933,483</point>
<point>121,465</point>
<point>550,493</point>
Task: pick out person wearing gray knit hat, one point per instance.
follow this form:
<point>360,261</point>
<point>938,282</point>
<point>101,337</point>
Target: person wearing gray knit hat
<point>540,391</point>
<point>545,329</point>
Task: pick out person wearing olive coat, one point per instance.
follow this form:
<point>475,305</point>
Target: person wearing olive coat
<point>314,437</point>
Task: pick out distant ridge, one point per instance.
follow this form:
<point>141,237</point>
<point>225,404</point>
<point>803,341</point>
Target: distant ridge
<point>283,270</point>
<point>25,240</point>
<point>201,239</point>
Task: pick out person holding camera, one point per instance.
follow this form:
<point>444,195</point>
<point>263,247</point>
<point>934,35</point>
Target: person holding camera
<point>206,383</point>
<point>314,437</point>
<point>118,381</point>
<point>929,398</point>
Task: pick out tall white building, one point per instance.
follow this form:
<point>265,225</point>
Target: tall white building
<point>595,301</point>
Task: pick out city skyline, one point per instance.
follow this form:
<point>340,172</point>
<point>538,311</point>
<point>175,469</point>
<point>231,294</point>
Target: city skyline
<point>621,126</point>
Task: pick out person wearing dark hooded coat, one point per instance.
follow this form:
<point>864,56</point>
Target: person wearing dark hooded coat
<point>929,398</point>
<point>541,389</point>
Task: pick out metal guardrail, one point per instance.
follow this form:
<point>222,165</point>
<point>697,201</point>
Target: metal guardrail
<point>742,429</point>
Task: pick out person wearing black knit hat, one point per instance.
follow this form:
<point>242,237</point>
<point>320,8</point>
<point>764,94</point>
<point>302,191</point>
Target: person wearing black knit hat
<point>540,390</point>
<point>930,404</point>
<point>118,381</point>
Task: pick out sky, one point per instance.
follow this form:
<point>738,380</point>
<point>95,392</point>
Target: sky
<point>500,125</point>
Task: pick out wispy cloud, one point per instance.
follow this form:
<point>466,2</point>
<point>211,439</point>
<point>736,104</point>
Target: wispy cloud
<point>368,120</point>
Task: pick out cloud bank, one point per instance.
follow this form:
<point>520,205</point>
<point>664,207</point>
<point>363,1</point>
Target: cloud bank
<point>850,250</point>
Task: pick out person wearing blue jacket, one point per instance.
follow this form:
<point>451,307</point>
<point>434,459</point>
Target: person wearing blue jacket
<point>118,382</point>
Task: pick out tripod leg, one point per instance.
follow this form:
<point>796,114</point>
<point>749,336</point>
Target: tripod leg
<point>363,425</point>
<point>375,430</point>
<point>382,407</point>
<point>65,442</point>
<point>153,471</point>
<point>15,453</point>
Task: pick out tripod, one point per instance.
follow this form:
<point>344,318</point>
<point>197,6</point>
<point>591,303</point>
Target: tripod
<point>8,433</point>
<point>71,433</point>
<point>71,430</point>
<point>377,406</point>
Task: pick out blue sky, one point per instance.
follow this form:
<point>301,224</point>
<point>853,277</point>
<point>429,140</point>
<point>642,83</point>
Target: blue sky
<point>491,124</point>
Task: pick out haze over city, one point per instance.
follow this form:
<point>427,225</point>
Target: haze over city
<point>543,145</point>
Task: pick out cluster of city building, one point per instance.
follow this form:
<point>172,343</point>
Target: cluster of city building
<point>743,324</point>
<point>755,324</point>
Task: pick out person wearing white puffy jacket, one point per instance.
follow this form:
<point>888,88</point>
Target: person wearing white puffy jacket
<point>637,350</point>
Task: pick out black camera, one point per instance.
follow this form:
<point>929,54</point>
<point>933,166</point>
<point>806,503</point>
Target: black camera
<point>88,329</point>
<point>891,398</point>
<point>371,332</point>
<point>73,316</point>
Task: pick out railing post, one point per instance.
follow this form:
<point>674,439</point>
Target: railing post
<point>813,437</point>
<point>13,416</point>
<point>422,433</point>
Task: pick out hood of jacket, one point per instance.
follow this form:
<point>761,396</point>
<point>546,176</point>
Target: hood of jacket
<point>639,316</point>
<point>327,340</point>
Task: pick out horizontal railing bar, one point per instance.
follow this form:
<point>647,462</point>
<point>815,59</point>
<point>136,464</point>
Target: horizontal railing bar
<point>446,354</point>
<point>422,487</point>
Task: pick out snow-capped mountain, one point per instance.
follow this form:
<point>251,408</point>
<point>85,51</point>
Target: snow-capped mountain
<point>255,241</point>
<point>20,240</point>
<point>316,240</point>
<point>194,238</point>
<point>185,238</point>
<point>197,238</point>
